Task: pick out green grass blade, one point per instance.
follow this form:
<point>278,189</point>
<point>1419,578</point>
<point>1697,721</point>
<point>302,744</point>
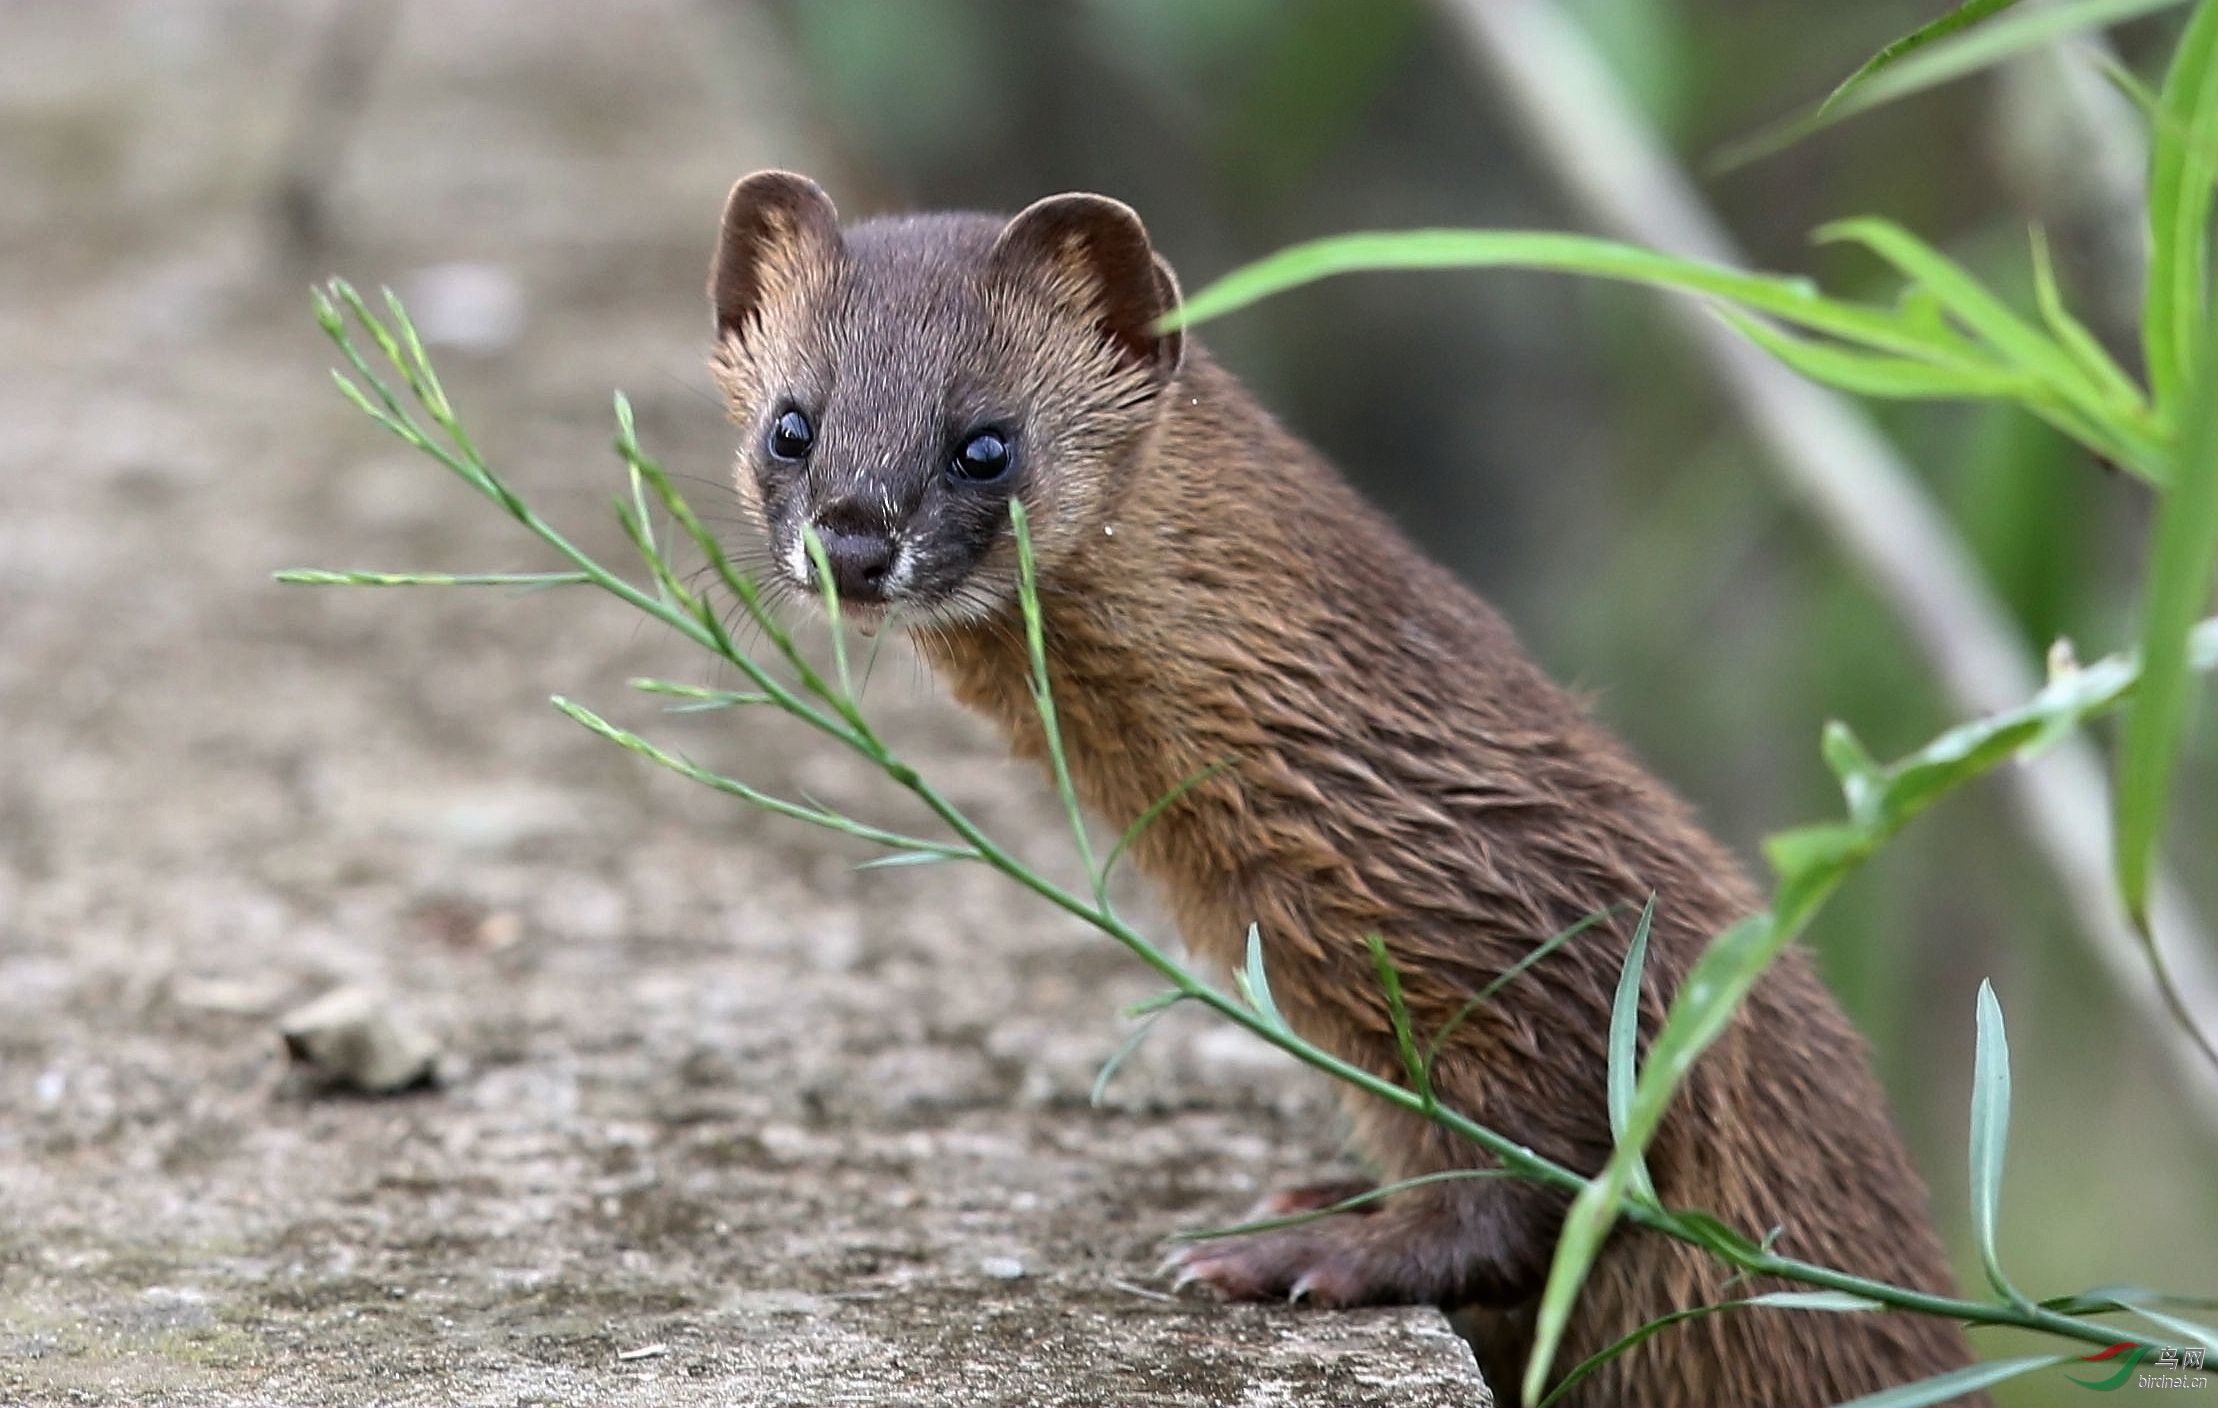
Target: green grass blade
<point>1351,1204</point>
<point>2130,87</point>
<point>1791,300</point>
<point>1255,984</point>
<point>1969,301</point>
<point>1902,351</point>
<point>1124,1050</point>
<point>1833,1301</point>
<point>2072,335</point>
<point>1397,1011</point>
<point>1713,989</point>
<point>1161,1002</point>
<point>1964,16</point>
<point>1146,819</point>
<point>2185,1331</point>
<point>814,816</point>
<point>2103,1299</point>
<point>699,697</point>
<point>2183,563</point>
<point>1624,1061</point>
<point>902,860</point>
<point>1990,1133</point>
<point>1511,974</point>
<point>314,577</point>
<point>828,593</point>
<point>1958,55</point>
<point>2182,163</point>
<point>1043,697</point>
<point>1942,1388</point>
<point>1876,374</point>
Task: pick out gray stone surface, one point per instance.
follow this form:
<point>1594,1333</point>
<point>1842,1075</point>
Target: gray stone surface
<point>723,1120</point>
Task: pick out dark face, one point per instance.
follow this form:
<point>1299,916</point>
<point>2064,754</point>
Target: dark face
<point>896,384</point>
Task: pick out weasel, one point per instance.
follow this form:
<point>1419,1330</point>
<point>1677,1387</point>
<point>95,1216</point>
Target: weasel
<point>1392,763</point>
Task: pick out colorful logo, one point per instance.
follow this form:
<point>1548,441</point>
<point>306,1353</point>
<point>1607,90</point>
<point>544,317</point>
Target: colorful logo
<point>2132,1353</point>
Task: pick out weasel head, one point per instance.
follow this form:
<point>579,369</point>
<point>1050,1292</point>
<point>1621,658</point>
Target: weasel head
<point>898,381</point>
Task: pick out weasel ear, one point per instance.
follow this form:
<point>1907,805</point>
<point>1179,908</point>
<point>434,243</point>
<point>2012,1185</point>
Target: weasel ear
<point>776,225</point>
<point>1093,255</point>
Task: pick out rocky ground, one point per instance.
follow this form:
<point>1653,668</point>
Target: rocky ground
<point>721,1118</point>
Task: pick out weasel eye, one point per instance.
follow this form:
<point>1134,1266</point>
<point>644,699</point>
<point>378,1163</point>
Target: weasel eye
<point>791,435</point>
<point>981,459</point>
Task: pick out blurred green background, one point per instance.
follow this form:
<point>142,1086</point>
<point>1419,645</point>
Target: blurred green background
<point>1550,439</point>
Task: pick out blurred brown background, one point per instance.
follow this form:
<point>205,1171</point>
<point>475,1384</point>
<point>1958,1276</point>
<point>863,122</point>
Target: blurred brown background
<point>197,769</point>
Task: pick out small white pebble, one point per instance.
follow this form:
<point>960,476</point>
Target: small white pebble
<point>53,1084</point>
<point>1002,1268</point>
<point>1109,530</point>
<point>353,1037</point>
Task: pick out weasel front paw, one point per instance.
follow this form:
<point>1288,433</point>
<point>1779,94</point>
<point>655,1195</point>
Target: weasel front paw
<point>1479,1240</point>
<point>1322,1263</point>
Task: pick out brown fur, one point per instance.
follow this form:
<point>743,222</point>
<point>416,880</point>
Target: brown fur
<point>1214,592</point>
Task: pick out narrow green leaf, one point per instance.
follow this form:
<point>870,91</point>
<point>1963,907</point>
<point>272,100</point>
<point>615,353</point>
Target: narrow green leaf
<point>1161,1002</point>
<point>1958,56</point>
<point>1963,16</point>
<point>2182,163</point>
<point>354,393</point>
<point>813,815</point>
<point>1834,1301</point>
<point>2129,85</point>
<point>1902,351</point>
<point>2182,563</point>
<point>1509,975</point>
<point>1624,1059</point>
<point>1043,696</point>
<point>327,314</point>
<point>2071,334</point>
<point>1124,1050</point>
<point>1360,1200</point>
<point>901,860</point>
<point>1397,1012</point>
<point>2182,1330</point>
<point>2101,1299</point>
<point>1956,1382</point>
<point>313,577</point>
<point>1972,304</point>
<point>699,696</point>
<point>1875,374</point>
<point>1148,818</point>
<point>422,377</point>
<point>1904,789</point>
<point>828,592</point>
<point>638,523</point>
<point>387,345</point>
<point>1255,984</point>
<point>1705,1003</point>
<point>1708,1232</point>
<point>1791,300</point>
<point>1645,1332</point>
<point>1859,774</point>
<point>1990,1133</point>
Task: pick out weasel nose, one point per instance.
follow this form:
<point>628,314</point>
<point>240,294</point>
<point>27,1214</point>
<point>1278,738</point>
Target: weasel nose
<point>861,562</point>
